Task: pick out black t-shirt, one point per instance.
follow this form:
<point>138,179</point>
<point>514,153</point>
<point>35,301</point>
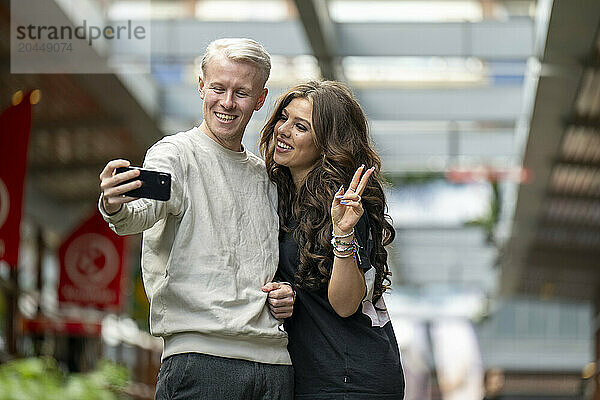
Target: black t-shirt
<point>335,357</point>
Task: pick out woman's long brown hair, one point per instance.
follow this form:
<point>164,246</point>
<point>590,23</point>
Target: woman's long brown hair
<point>341,135</point>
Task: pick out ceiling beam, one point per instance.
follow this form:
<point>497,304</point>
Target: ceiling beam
<point>552,194</point>
<point>108,123</point>
<point>583,122</point>
<point>511,40</point>
<point>553,257</point>
<point>498,104</point>
<point>577,163</point>
<point>321,33</point>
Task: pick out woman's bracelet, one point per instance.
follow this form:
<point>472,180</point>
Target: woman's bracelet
<point>342,236</point>
<point>339,243</point>
<point>345,249</point>
<point>343,255</point>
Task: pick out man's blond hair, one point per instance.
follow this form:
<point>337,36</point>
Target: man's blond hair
<point>241,50</point>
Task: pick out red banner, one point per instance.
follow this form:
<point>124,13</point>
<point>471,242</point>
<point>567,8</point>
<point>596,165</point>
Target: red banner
<point>64,326</point>
<point>15,124</point>
<point>92,261</point>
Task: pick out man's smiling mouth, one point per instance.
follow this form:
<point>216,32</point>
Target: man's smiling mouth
<point>225,117</point>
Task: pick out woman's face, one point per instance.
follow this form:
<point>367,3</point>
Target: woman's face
<point>295,147</point>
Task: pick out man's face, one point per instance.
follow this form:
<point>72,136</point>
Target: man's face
<point>231,91</point>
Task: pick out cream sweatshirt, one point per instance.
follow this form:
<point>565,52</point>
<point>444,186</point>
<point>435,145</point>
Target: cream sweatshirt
<point>207,251</point>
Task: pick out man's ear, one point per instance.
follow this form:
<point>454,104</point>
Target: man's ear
<point>261,99</point>
<point>201,87</point>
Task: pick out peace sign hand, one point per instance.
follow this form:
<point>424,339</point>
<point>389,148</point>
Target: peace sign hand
<point>346,208</point>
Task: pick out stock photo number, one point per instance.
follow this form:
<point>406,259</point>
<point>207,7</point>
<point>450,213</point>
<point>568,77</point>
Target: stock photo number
<point>61,47</point>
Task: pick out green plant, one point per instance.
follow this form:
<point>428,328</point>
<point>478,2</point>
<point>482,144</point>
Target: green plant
<point>490,220</point>
<point>40,378</point>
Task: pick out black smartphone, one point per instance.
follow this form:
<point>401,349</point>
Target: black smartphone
<point>155,185</point>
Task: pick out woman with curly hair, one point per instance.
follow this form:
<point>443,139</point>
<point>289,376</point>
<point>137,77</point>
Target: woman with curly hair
<point>333,233</point>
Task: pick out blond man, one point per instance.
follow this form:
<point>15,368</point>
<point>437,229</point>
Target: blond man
<point>211,251</point>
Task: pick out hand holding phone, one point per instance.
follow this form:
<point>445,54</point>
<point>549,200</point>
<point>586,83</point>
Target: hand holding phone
<point>155,185</point>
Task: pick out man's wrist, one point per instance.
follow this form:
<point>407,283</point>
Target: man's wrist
<point>109,213</point>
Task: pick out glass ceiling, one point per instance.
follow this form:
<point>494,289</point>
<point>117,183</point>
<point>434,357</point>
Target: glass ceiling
<point>339,10</point>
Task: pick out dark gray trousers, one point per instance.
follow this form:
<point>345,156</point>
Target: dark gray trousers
<point>194,376</point>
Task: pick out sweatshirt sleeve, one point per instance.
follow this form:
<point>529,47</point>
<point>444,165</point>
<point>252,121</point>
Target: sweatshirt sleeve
<point>139,215</point>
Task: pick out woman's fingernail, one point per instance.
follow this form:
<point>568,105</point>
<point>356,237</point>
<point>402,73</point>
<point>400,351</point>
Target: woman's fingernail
<point>343,202</point>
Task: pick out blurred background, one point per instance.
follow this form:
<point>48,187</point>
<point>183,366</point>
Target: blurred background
<point>486,114</point>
